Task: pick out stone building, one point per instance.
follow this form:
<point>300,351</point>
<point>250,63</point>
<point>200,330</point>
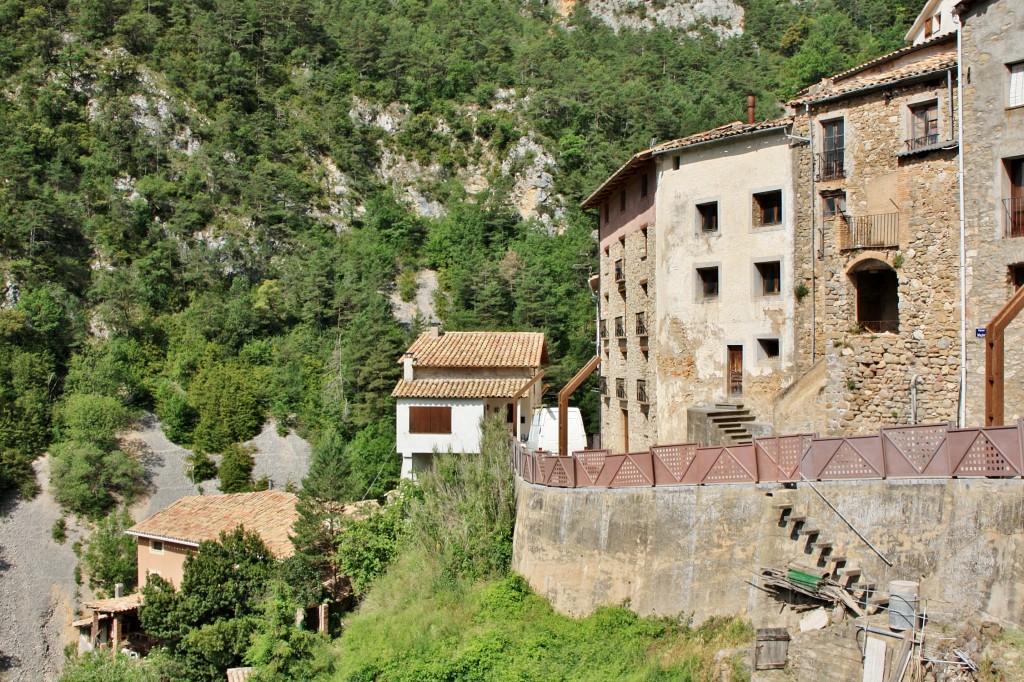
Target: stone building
<point>627,227</point>
<point>878,248</point>
<point>993,98</point>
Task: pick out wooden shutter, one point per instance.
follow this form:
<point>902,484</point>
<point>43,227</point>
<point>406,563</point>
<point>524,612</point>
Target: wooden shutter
<point>430,419</point>
<point>1017,84</point>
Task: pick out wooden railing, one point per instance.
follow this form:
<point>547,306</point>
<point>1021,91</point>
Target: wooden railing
<point>924,451</point>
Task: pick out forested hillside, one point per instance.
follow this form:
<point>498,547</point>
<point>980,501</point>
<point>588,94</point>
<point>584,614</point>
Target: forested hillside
<point>206,206</point>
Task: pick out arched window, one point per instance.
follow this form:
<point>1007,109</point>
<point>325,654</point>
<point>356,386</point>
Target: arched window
<point>878,300</point>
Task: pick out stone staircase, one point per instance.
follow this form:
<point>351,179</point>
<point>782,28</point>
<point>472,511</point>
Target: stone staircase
<point>733,421</point>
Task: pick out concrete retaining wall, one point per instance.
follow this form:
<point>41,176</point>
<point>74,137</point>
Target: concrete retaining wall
<point>695,550</point>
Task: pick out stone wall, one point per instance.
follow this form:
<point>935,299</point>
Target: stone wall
<point>870,373</point>
<point>697,550</point>
<point>992,133</point>
<point>628,357</point>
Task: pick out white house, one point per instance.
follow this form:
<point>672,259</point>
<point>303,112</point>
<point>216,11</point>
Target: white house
<point>453,380</point>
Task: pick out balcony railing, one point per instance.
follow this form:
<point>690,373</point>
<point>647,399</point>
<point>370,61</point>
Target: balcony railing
<point>880,326</point>
<point>602,326</point>
<point>1014,216</point>
<point>620,270</point>
<point>620,327</point>
<point>831,164</point>
<point>641,324</point>
<point>878,230</point>
<point>603,385</point>
<point>922,142</point>
<point>620,389</point>
<point>641,392</point>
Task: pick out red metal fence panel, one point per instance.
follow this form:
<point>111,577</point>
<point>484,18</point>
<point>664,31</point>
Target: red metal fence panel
<point>925,451</point>
<point>916,451</point>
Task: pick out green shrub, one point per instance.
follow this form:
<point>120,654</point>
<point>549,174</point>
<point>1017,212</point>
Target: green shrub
<point>110,556</point>
<point>94,418</point>
<point>235,471</point>
<point>203,467</point>
<point>88,480</point>
<point>59,532</point>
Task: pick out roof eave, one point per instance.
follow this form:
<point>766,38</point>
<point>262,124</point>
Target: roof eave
<point>616,178</point>
<point>909,80</point>
<point>161,538</point>
<point>724,138</point>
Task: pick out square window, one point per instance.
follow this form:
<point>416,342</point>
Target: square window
<point>1016,84</point>
<point>771,277</point>
<point>707,216</point>
<point>924,125</point>
<point>643,185</point>
<point>708,278</point>
<point>769,348</point>
<point>156,547</point>
<point>833,205</point>
<point>622,201</point>
<point>768,208</point>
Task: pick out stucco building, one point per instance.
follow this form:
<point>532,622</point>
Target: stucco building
<point>168,537</point>
<point>452,380</point>
<point>993,112</point>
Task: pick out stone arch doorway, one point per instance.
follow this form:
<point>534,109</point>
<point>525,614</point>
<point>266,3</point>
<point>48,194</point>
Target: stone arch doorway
<point>877,293</point>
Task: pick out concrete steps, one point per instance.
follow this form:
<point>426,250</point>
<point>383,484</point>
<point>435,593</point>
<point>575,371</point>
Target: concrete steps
<point>812,542</point>
<point>732,421</point>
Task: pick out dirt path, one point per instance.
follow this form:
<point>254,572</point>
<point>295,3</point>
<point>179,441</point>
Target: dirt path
<point>38,595</point>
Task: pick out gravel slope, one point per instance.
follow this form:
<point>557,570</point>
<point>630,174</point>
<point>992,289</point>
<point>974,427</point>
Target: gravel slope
<point>38,595</point>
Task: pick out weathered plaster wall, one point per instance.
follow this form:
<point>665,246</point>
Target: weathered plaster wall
<point>695,550</point>
<point>693,332</point>
<point>465,435</point>
<point>992,133</point>
<point>870,374</point>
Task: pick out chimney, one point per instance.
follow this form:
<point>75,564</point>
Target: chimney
<point>118,590</point>
<point>407,361</point>
<point>751,101</point>
<point>435,330</point>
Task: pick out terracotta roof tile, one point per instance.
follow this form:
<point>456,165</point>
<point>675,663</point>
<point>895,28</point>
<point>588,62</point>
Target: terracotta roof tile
<point>128,602</point>
<point>270,513</point>
<point>459,388</point>
<point>479,349</point>
<point>639,159</point>
<point>851,82</point>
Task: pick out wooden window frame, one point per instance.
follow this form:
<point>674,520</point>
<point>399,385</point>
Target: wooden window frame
<point>764,203</point>
<point>770,272</point>
<point>707,217</point>
<point>709,280</point>
<point>430,419</point>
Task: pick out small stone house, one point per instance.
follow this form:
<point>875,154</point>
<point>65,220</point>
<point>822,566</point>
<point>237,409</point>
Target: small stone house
<point>166,538</point>
<point>452,380</point>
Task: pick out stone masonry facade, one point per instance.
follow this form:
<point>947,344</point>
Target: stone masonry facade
<point>993,41</point>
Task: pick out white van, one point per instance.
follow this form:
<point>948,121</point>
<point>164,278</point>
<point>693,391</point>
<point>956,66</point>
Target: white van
<point>544,430</point>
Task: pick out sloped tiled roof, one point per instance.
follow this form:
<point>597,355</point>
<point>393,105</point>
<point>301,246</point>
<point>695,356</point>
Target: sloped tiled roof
<point>128,602</point>
<point>459,388</point>
<point>641,158</point>
<point>479,349</point>
<point>863,76</point>
<point>191,520</point>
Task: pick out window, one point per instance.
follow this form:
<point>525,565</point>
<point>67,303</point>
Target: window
<point>833,204</point>
<point>620,270</point>
<point>768,348</point>
<point>1016,84</point>
<point>620,389</point>
<point>877,296</point>
<point>641,391</point>
<point>643,243</point>
<point>768,208</point>
<point>643,185</point>
<point>156,547</point>
<point>641,324</point>
<point>707,216</point>
<point>708,278</point>
<point>1016,276</point>
<point>771,277</point>
<point>831,161</point>
<point>675,162</point>
<point>430,419</point>
<point>924,125</point>
<point>1015,202</point>
<point>622,201</point>
<point>620,327</point>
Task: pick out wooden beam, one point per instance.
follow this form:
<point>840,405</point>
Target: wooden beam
<point>994,403</point>
<point>563,403</point>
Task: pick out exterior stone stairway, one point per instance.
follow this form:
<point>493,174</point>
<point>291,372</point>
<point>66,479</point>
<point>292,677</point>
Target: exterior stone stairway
<point>732,421</point>
<point>824,555</point>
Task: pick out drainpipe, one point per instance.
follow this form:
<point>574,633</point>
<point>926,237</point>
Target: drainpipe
<point>962,412</point>
<point>814,255</point>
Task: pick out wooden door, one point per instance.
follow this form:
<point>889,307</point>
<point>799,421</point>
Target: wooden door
<point>735,365</point>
